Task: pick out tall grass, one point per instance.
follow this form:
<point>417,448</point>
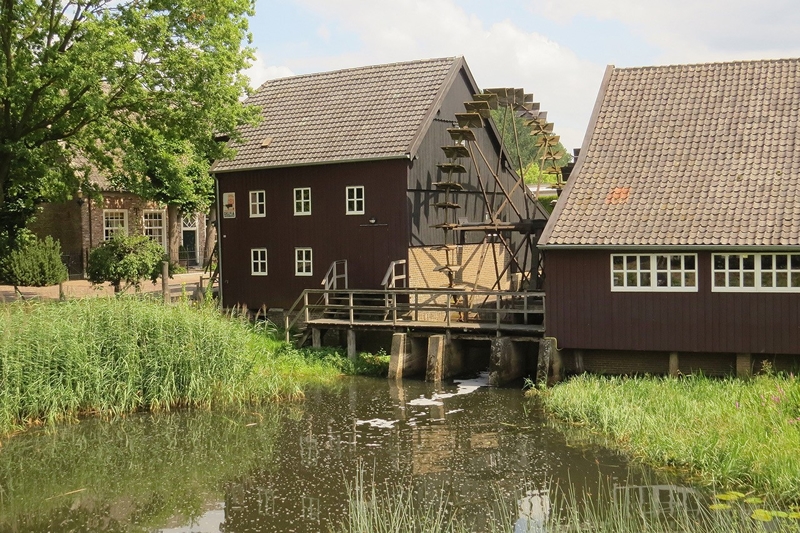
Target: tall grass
<point>558,511</point>
<point>62,359</point>
<point>733,432</point>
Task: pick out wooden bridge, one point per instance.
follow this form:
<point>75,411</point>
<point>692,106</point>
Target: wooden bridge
<point>429,325</point>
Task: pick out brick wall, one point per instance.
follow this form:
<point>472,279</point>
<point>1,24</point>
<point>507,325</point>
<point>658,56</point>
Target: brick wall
<point>475,266</point>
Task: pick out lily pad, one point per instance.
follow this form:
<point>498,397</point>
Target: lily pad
<point>719,506</point>
<point>762,515</point>
<point>754,499</point>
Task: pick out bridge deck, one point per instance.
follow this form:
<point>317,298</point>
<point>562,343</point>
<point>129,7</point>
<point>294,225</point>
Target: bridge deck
<point>466,327</point>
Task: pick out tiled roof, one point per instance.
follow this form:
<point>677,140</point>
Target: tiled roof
<point>705,155</point>
<point>361,113</point>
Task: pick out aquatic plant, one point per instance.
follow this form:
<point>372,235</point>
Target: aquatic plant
<point>734,433</point>
<point>59,360</point>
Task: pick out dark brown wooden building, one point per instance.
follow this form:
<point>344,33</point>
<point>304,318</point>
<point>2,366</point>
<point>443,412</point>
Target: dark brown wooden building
<point>342,167</point>
<point>676,243</point>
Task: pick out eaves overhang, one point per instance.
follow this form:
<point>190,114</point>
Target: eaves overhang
<point>311,163</point>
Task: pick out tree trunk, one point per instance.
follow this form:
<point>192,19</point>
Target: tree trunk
<point>211,235</point>
<point>174,228</point>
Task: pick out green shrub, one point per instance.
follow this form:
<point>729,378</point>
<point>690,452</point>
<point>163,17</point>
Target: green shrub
<point>37,264</point>
<point>125,260</point>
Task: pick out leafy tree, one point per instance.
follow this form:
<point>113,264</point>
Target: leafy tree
<point>522,145</point>
<point>36,264</point>
<point>86,83</point>
<point>125,260</point>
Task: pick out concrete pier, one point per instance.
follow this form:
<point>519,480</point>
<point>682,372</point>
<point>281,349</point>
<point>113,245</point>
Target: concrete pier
<point>408,356</point>
<point>506,363</point>
<point>744,365</point>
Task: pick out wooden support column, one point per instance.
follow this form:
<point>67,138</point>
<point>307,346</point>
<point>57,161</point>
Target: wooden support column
<point>579,366</point>
<point>351,344</point>
<point>316,338</point>
<point>744,365</point>
<point>674,364</point>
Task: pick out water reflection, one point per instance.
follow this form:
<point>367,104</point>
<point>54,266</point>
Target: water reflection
<point>288,468</point>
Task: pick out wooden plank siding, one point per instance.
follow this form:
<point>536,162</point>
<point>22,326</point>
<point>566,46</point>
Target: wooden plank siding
<point>583,313</point>
<point>328,231</point>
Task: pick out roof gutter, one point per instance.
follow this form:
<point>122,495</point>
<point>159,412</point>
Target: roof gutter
<point>312,163</point>
<point>672,247</point>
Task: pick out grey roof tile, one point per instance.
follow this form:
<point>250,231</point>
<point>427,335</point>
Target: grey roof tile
<point>710,154</point>
<point>360,113</point>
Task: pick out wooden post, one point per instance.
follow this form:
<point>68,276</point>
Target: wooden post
<point>165,281</point>
<point>61,295</point>
<point>674,364</point>
<point>579,365</point>
<point>316,338</point>
<point>744,365</point>
<point>351,342</point>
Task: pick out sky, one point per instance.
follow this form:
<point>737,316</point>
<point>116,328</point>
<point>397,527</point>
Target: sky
<point>556,50</point>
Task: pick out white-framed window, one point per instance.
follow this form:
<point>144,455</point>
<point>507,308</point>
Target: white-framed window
<point>258,261</point>
<point>654,272</point>
<point>302,262</point>
<point>302,201</point>
<point>154,227</point>
<point>355,200</point>
<point>258,204</point>
<point>114,221</point>
<point>755,272</point>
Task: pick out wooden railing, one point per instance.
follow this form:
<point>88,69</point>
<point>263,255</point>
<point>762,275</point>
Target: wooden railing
<point>448,307</point>
<point>394,279</point>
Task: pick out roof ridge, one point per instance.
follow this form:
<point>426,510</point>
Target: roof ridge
<point>709,63</point>
<point>364,68</point>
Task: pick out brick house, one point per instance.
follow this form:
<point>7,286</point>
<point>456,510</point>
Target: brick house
<point>82,224</point>
<point>675,245</point>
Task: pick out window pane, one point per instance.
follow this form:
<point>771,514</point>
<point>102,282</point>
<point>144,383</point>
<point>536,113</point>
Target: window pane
<point>631,262</point>
<point>733,262</point>
<point>661,263</point>
<point>688,279</point>
<point>795,279</point>
<point>766,262</point>
<point>644,278</point>
<point>719,262</point>
<point>675,262</point>
<point>766,279</point>
<point>631,279</point>
<point>794,261</point>
<point>688,262</point>
<point>733,279</point>
<point>619,279</point>
<point>617,261</point>
<point>749,279</point>
<point>781,279</point>
<point>644,262</point>
<point>719,279</point>
<point>781,262</point>
<point>749,262</point>
<point>675,279</point>
<point>661,278</point>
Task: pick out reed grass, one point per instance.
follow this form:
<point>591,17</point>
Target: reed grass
<point>733,432</point>
<point>59,360</point>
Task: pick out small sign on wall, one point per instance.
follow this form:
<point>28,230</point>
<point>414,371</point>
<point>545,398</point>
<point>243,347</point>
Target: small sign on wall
<point>229,205</point>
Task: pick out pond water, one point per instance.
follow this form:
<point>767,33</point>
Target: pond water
<point>288,467</point>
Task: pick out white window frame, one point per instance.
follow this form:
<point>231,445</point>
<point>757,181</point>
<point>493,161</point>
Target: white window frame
<point>258,204</point>
<point>354,198</point>
<point>259,265</point>
<point>302,201</point>
<point>303,262</point>
<point>163,240</point>
<point>108,231</point>
<point>638,269</point>
<point>764,266</point>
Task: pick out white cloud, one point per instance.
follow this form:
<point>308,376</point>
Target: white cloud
<point>259,71</point>
<point>694,31</point>
<point>500,54</point>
